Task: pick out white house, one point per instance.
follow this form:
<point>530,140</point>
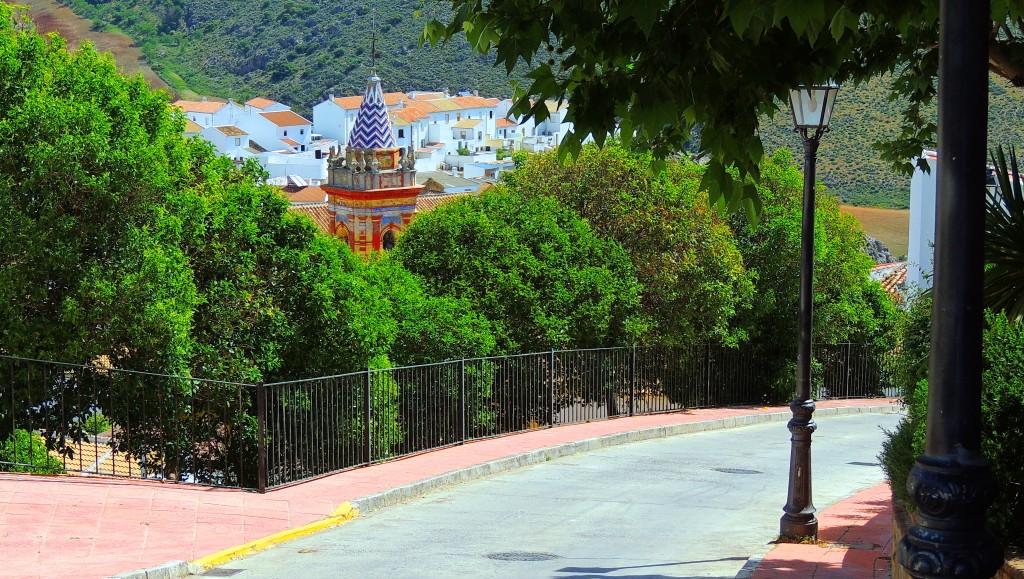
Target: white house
<point>207,113</point>
<point>229,141</point>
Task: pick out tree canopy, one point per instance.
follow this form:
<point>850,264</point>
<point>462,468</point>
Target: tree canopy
<point>658,71</point>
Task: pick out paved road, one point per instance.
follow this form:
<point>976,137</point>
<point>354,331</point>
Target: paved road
<point>688,506</point>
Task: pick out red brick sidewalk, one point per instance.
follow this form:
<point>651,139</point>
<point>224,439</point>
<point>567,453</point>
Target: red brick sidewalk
<point>855,542</point>
<point>75,526</point>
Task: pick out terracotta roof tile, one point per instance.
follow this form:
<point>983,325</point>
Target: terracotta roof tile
<point>232,131</point>
<point>308,194</point>
<point>467,123</point>
<point>426,203</point>
<point>199,106</point>
<point>260,102</point>
<point>318,213</point>
<point>506,123</point>
<point>290,142</point>
<point>353,102</point>
<point>285,119</point>
<point>473,102</point>
<point>409,114</point>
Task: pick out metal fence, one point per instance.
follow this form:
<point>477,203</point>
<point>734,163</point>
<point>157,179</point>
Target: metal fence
<point>58,417</point>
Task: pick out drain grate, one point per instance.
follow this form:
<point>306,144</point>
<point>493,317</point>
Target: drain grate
<point>737,471</point>
<point>522,556</point>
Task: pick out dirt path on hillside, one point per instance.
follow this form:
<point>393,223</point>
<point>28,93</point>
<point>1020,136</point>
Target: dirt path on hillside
<point>51,16</point>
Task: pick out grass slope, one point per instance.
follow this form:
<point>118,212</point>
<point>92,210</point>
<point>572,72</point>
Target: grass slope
<point>891,226</point>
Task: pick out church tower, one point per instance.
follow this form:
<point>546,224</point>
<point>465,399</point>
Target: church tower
<point>371,188</point>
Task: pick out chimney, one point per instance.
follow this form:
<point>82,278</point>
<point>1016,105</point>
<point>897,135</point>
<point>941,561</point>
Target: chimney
<point>476,92</point>
<point>330,96</point>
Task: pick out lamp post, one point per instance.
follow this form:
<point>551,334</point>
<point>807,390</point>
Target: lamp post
<point>952,484</point>
<point>812,111</point>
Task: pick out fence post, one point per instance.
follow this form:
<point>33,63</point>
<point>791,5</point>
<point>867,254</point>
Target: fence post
<point>551,386</point>
<point>707,369</point>
<point>462,400</point>
<point>368,416</point>
<point>261,433</point>
<point>632,382</point>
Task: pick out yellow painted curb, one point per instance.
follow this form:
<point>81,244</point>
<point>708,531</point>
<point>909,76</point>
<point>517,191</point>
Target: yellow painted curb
<point>342,514</point>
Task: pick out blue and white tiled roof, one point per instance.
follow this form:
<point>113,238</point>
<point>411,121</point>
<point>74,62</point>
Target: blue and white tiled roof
<point>372,129</point>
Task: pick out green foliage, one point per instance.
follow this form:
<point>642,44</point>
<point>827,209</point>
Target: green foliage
<point>1002,404</point>
<point>848,306</point>
<point>1004,239</point>
<point>692,274</point>
<point>463,151</point>
<point>29,453</point>
<point>96,423</point>
<point>533,268</point>
<point>719,68</point>
<point>501,153</point>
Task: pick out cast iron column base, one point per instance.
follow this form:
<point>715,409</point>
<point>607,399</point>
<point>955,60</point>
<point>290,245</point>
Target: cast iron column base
<point>799,520</point>
<point>950,538</point>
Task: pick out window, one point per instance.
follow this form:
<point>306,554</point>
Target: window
<point>490,114</point>
<point>238,141</point>
<point>401,133</point>
<point>458,116</point>
<point>479,135</point>
<point>286,132</point>
<point>302,131</point>
<point>447,117</point>
<point>389,240</point>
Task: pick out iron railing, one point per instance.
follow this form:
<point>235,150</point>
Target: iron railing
<point>260,436</point>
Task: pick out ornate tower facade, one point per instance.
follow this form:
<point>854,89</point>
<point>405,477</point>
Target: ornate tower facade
<point>371,188</point>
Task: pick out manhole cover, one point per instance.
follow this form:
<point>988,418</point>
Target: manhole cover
<point>521,556</point>
<point>737,471</point>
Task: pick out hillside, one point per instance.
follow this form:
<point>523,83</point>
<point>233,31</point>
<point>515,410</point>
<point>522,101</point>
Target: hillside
<point>299,51</point>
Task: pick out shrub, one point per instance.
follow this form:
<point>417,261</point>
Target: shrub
<point>96,424</point>
<point>26,452</point>
<point>1002,406</point>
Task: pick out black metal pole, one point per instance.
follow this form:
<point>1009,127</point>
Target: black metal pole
<point>551,386</point>
<point>632,381</point>
<point>951,483</point>
<point>368,416</point>
<point>462,400</point>
<point>261,441</point>
<point>799,519</point>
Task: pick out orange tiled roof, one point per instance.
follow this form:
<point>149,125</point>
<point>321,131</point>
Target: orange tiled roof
<point>260,102</point>
<point>318,213</point>
<point>410,114</point>
<point>285,119</point>
<point>199,106</point>
<point>506,123</point>
<point>290,142</point>
<point>894,282</point>
<point>308,194</point>
<point>353,102</point>
<point>426,203</point>
<point>473,102</point>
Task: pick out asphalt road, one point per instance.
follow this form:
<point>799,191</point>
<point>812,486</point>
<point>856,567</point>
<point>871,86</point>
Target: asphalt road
<point>696,505</point>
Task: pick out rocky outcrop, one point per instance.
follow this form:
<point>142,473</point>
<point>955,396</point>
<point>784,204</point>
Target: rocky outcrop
<point>877,250</point>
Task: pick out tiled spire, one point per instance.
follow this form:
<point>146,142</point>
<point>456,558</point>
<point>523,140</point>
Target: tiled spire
<point>372,129</point>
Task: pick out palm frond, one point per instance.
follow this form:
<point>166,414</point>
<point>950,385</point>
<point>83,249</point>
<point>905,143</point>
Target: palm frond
<point>1004,238</point>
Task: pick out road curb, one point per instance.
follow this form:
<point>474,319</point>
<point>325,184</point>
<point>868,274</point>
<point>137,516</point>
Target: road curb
<point>398,495</point>
<point>342,514</point>
<point>405,493</point>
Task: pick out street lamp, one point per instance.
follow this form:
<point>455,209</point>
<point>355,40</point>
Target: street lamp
<point>812,111</point>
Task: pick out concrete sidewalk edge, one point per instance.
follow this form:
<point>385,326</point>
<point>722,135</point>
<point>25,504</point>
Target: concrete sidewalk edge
<point>405,493</point>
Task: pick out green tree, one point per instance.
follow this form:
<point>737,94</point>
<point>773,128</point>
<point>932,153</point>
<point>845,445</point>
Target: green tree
<point>532,267</point>
<point>657,71</point>
<point>687,262</point>
<point>848,306</point>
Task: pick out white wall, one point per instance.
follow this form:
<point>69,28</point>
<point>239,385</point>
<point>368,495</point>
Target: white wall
<point>922,224</point>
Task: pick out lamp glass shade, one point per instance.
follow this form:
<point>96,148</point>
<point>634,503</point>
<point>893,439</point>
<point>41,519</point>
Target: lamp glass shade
<point>812,105</point>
